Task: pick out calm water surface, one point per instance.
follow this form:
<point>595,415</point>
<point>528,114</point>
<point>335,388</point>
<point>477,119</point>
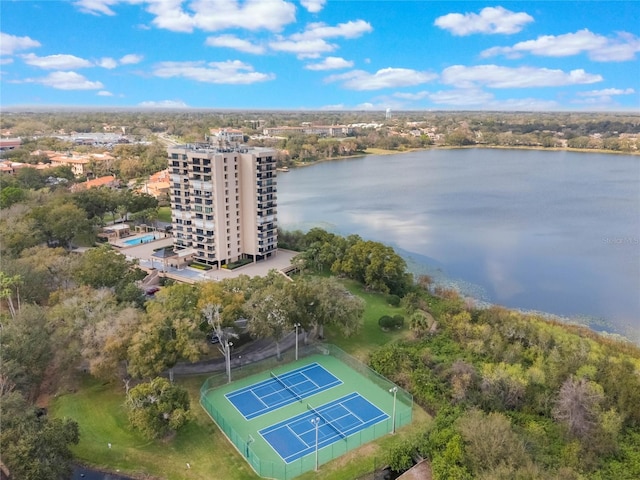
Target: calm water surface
<point>557,232</point>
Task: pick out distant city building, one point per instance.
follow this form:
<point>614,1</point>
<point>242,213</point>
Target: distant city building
<point>307,129</point>
<point>223,202</point>
<point>226,137</point>
<point>9,143</point>
<point>79,163</point>
<point>158,184</point>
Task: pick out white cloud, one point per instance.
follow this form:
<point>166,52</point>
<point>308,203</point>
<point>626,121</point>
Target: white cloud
<point>131,59</point>
<point>607,91</point>
<point>96,7</point>
<point>491,20</point>
<point>384,78</point>
<point>598,47</point>
<point>10,43</point>
<point>337,106</point>
<point>351,29</point>
<point>231,41</point>
<point>303,48</point>
<point>55,62</point>
<point>207,15</point>
<point>66,81</point>
<point>330,63</point>
<point>461,97</point>
<point>477,99</point>
<point>163,104</point>
<point>313,6</point>
<point>231,72</point>
<point>104,93</point>
<point>495,76</point>
<point>107,62</point>
<point>6,61</point>
<point>311,42</point>
<point>411,96</point>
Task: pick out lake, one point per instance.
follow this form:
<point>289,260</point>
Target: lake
<point>548,231</point>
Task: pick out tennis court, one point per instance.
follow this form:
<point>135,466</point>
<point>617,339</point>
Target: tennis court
<point>281,390</point>
<point>266,411</point>
<point>296,437</point>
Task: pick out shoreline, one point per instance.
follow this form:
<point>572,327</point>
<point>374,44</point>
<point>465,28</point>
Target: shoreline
<point>465,147</point>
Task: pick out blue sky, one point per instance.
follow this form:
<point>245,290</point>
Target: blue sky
<point>322,54</point>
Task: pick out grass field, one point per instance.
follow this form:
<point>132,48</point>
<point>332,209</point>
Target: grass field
<point>370,335</point>
<point>164,214</point>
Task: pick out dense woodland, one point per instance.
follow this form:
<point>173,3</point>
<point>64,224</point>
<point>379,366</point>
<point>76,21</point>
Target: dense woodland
<point>512,395</point>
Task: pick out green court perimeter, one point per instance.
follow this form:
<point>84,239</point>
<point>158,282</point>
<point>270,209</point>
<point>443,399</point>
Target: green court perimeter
<point>355,377</point>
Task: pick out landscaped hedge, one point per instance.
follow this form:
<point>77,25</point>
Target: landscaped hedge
<point>387,323</point>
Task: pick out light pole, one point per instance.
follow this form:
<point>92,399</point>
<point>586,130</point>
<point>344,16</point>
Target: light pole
<point>316,422</point>
<point>297,325</point>
<point>227,352</point>
<point>393,390</point>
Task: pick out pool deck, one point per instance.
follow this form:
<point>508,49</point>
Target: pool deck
<point>143,254</point>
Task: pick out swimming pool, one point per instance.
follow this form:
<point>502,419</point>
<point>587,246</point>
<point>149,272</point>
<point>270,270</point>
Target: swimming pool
<point>139,240</point>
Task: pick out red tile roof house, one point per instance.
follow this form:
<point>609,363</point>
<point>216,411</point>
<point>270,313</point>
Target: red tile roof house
<point>109,181</point>
<point>10,143</point>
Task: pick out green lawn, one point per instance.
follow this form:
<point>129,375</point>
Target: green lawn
<point>371,335</point>
<point>164,214</point>
<point>97,407</point>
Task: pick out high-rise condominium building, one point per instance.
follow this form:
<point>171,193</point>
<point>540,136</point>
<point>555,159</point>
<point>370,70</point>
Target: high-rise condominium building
<point>223,202</point>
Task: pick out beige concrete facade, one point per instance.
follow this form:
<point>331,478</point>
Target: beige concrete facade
<point>223,202</point>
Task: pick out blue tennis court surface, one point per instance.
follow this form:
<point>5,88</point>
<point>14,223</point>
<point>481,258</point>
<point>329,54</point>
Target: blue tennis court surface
<point>276,392</point>
<point>296,437</point>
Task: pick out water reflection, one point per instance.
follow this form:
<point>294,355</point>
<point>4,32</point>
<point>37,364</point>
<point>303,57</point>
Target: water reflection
<point>549,231</point>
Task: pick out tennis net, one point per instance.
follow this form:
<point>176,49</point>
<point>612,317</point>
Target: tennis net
<point>287,387</point>
<point>328,422</point>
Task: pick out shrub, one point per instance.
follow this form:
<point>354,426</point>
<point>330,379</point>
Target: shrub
<point>393,300</point>
<point>398,321</point>
<point>386,322</point>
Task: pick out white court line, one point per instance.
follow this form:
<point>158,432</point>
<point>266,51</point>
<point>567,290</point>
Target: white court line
<point>259,399</point>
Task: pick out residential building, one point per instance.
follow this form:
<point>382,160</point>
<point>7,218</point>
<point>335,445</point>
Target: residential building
<point>9,143</point>
<point>226,136</point>
<point>109,181</point>
<point>223,202</point>
<point>308,129</point>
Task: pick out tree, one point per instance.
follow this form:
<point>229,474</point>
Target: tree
<point>97,202</point>
<point>375,265</point>
<point>105,343</point>
<point>11,195</point>
<point>169,333</point>
<point>71,312</point>
<point>157,408</point>
<point>35,447</point>
<point>270,314</point>
<point>578,406</point>
<point>490,441</point>
<point>43,270</point>
<point>10,289</point>
<point>26,350</point>
<point>115,272</point>
<point>61,223</point>
<point>18,230</point>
